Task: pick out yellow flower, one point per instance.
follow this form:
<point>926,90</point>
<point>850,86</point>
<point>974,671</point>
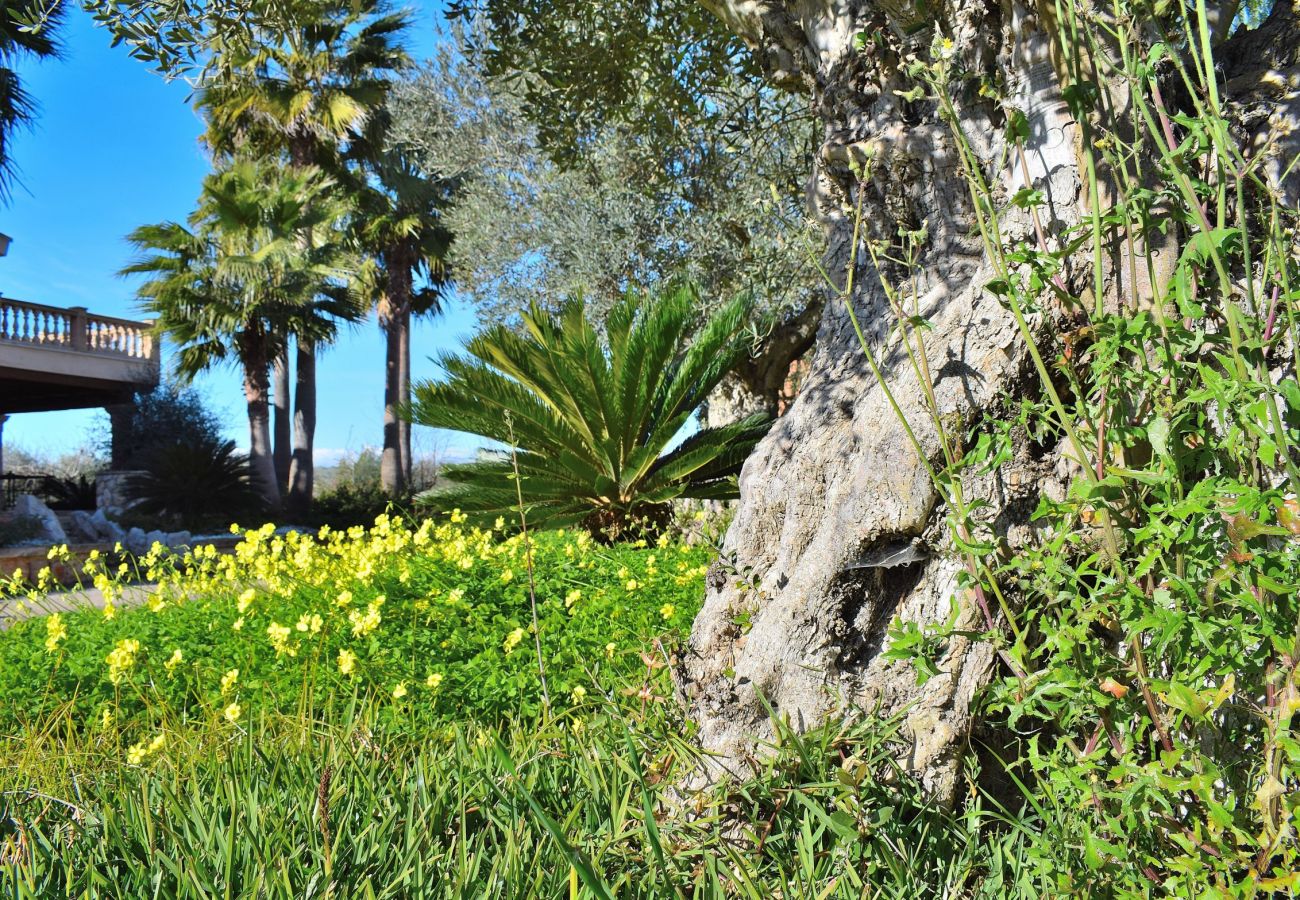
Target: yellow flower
<point>433,681</point>
<point>667,610</point>
<point>232,712</point>
<point>135,754</point>
<point>499,524</point>
<point>238,624</point>
<point>55,631</point>
<point>364,623</point>
<point>455,596</point>
<point>279,635</point>
<point>571,598</point>
<point>578,693</point>
<point>508,575</point>
<point>245,600</point>
<point>121,658</point>
<point>344,598</point>
<point>347,662</point>
<point>632,585</point>
<point>157,743</point>
<point>228,681</point>
<point>609,650</point>
<point>174,660</point>
<point>109,609</point>
<point>512,640</point>
<point>400,691</point>
<point>106,718</point>
<point>310,623</point>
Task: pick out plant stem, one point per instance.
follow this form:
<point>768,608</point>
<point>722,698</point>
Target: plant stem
<point>528,562</point>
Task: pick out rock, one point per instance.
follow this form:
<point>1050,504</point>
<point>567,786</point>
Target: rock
<point>136,542</point>
<point>155,537</point>
<point>32,507</point>
<point>83,527</point>
<point>105,528</point>
<point>178,539</point>
<point>113,489</point>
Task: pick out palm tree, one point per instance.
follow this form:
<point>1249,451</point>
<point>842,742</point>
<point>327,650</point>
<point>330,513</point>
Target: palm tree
<point>401,224</point>
<point>19,40</point>
<point>301,93</point>
<point>240,278</point>
<point>591,422</point>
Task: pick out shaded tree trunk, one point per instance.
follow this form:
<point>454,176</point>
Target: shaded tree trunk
<point>836,485</point>
<point>257,389</point>
<point>404,395</point>
<point>302,468</point>
<point>282,419</point>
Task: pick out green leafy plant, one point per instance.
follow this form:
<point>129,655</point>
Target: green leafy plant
<point>594,417</point>
<point>198,483</point>
<point>1150,631</point>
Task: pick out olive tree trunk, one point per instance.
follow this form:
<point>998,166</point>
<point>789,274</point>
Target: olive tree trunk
<point>839,528</point>
<point>838,519</point>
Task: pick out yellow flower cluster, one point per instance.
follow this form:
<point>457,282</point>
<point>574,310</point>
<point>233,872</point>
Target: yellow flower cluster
<point>121,659</point>
<point>55,632</point>
<point>137,753</point>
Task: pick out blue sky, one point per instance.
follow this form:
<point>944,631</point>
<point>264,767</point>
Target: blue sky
<point>115,147</point>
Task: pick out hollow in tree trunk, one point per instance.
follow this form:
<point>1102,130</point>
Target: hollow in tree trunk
<point>302,467</point>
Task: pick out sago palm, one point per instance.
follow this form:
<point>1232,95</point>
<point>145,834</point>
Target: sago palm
<point>591,421</point>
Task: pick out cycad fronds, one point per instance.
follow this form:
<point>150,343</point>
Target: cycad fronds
<point>593,419</point>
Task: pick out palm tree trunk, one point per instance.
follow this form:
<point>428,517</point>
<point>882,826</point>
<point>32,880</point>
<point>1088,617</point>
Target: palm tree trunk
<point>257,389</point>
<point>395,317</point>
<point>391,471</point>
<point>282,422</point>
<point>302,470</point>
<point>404,393</point>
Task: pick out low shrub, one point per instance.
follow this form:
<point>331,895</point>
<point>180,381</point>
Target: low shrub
<point>351,504</point>
<point>16,529</point>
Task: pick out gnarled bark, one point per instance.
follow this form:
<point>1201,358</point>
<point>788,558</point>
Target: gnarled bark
<point>836,488</point>
<point>839,528</point>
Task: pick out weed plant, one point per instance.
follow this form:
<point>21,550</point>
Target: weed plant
<point>1150,639</point>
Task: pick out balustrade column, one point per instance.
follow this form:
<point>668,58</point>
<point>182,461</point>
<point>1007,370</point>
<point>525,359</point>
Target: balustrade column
<point>77,333</point>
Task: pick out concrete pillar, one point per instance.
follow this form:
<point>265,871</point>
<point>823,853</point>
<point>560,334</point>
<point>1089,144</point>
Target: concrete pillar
<point>119,416</point>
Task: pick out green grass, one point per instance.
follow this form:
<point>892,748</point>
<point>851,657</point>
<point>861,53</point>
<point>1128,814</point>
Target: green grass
<point>347,808</point>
